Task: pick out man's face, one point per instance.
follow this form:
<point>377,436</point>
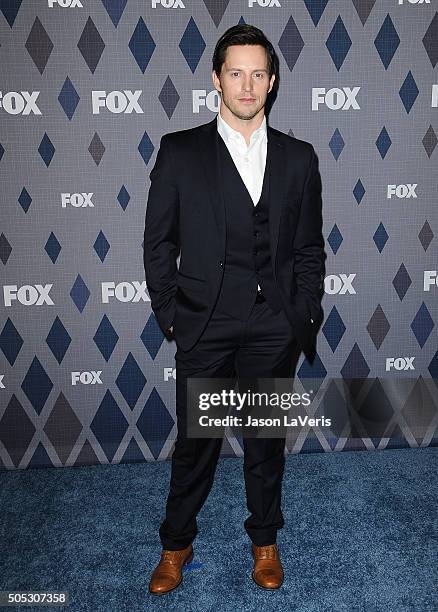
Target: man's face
<point>244,80</point>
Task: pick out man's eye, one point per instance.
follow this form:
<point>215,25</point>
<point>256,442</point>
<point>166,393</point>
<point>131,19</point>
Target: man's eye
<point>233,73</point>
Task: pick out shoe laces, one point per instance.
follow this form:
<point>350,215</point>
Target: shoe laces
<point>168,556</point>
<point>268,552</point>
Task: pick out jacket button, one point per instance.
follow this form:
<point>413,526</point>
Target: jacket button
<point>311,320</point>
<point>221,263</point>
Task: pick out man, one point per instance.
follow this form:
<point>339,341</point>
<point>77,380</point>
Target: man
<point>241,203</point>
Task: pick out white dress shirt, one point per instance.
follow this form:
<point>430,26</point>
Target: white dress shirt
<point>250,161</point>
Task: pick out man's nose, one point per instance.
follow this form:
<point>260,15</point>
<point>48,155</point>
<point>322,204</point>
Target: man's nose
<point>247,85</point>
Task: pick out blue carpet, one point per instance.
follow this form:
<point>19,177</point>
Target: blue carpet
<point>360,534</point>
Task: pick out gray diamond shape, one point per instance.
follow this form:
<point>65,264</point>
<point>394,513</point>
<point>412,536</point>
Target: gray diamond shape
<point>91,45</point>
<point>430,141</point>
<point>426,235</point>
<point>39,45</point>
<point>63,419</point>
<point>96,149</point>
<point>378,327</point>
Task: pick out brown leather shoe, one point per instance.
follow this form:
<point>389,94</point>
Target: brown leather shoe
<point>267,572</point>
<point>168,575</point>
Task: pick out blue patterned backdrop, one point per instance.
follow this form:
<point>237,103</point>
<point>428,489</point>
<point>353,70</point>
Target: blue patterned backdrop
<point>87,89</point>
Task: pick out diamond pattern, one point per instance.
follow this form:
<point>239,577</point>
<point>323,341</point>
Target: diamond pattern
<point>142,45</point>
<point>37,385</point>
<point>39,45</point>
<point>192,45</point>
<point>52,247</point>
<point>155,423</point>
<point>291,43</point>
<point>387,41</point>
<point>46,150</point>
<point>426,235</point>
<point>383,142</point>
<point>380,237</point>
<point>315,9</point>
<point>24,200</point>
<point>10,10</point>
<point>338,43</point>
<point>430,40</point>
<point>58,340</point>
<point>422,325</point>
<point>217,9</point>
<point>68,98</point>
<point>10,341</point>
<point>5,249</point>
<point>408,92</point>
<point>146,148</point>
<point>335,239</point>
<point>359,191</point>
<point>333,329</point>
<point>378,327</point>
<point>363,9</point>
<point>109,425</point>
<point>152,336</point>
<point>106,338</point>
<point>79,293</point>
<point>402,281</point>
<point>91,45</point>
<point>130,381</point>
<point>115,9</point>
<point>336,144</point>
<point>96,149</point>
<point>168,97</point>
<point>123,197</point>
<point>63,418</point>
<point>101,246</point>
<point>16,430</point>
<point>430,141</point>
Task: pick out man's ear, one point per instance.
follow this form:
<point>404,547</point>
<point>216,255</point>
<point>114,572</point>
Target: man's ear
<point>216,81</point>
<point>271,84</point>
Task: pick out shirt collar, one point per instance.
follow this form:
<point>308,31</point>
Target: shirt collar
<point>228,133</point>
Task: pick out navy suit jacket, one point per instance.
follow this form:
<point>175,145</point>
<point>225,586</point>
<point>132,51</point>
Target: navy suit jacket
<point>185,216</point>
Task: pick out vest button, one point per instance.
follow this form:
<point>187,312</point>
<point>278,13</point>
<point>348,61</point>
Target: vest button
<point>221,263</point>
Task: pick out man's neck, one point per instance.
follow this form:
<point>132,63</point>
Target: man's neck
<point>244,127</point>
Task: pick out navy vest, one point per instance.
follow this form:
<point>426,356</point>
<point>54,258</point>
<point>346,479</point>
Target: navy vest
<point>247,252</point>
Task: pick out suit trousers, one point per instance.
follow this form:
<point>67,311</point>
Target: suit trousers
<point>262,346</point>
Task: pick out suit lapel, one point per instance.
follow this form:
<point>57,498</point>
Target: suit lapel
<point>209,152</point>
